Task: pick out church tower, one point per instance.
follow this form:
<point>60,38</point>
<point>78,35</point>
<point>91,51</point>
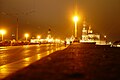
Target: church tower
<point>84,32</point>
<point>90,31</point>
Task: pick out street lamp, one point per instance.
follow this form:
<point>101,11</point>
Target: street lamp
<point>16,16</point>
<point>105,37</point>
<point>2,32</point>
<point>26,36</point>
<point>75,19</point>
<point>17,23</point>
<point>17,33</point>
<point>38,37</point>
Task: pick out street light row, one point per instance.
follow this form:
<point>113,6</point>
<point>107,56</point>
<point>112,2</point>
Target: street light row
<point>27,35</point>
<point>75,18</point>
<point>2,32</point>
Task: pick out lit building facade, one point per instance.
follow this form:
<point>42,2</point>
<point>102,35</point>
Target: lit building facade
<point>89,36</point>
<point>48,39</point>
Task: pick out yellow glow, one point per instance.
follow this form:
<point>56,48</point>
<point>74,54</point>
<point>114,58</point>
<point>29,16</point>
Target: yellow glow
<point>3,69</point>
<point>105,36</point>
<point>38,56</point>
<point>38,37</point>
<point>27,59</point>
<point>26,35</point>
<point>2,31</point>
<point>75,18</point>
<point>48,52</point>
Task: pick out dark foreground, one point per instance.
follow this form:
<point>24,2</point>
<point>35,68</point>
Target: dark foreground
<point>77,62</point>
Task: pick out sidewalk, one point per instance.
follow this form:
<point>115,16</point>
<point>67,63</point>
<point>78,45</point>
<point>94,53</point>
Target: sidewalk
<point>77,62</point>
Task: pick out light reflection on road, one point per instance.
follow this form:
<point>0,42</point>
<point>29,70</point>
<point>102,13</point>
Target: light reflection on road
<point>7,69</point>
<point>3,69</point>
<point>38,56</point>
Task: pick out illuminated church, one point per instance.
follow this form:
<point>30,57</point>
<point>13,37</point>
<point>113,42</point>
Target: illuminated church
<point>89,36</point>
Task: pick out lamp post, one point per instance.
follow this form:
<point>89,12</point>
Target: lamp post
<point>2,33</point>
<point>26,36</point>
<point>15,16</point>
<point>17,33</point>
<point>105,37</point>
<point>17,23</point>
<point>38,37</point>
<point>75,18</point>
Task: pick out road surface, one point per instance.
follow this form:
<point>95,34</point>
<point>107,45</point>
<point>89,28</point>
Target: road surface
<point>13,58</point>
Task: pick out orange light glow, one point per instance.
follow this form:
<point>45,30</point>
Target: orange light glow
<point>38,37</point>
<point>2,32</point>
<point>75,18</point>
<point>26,36</point>
<point>105,36</point>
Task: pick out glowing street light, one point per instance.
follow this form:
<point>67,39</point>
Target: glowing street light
<point>17,20</point>
<point>75,18</point>
<point>26,36</point>
<point>105,37</point>
<point>38,37</point>
<point>2,32</point>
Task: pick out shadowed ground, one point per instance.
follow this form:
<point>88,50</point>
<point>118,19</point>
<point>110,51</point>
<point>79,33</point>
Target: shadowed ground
<point>77,62</point>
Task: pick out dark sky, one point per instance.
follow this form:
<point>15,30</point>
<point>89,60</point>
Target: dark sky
<point>37,16</point>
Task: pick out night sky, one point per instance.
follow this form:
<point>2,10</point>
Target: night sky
<point>37,16</point>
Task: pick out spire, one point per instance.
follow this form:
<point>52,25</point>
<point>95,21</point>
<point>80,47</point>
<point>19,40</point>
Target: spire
<point>49,31</point>
<point>90,31</point>
<point>84,31</point>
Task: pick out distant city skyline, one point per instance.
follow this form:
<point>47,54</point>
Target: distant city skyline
<point>37,16</point>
